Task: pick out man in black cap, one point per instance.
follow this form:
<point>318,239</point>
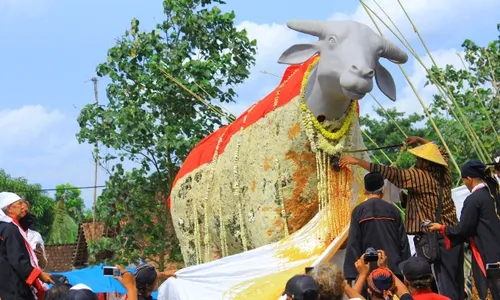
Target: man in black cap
<point>301,287</point>
<point>418,278</point>
<point>378,225</point>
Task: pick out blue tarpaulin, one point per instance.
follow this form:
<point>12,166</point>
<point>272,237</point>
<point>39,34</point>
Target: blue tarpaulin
<point>94,278</point>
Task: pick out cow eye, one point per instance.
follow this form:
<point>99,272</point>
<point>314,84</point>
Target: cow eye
<point>332,39</point>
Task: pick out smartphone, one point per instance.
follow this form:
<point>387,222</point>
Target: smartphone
<point>493,271</point>
<point>110,271</point>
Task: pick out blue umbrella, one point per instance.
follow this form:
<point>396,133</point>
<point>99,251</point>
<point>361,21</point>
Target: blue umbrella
<point>93,277</point>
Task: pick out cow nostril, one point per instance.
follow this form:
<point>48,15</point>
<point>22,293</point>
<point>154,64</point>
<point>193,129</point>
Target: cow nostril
<point>370,73</point>
<point>354,68</point>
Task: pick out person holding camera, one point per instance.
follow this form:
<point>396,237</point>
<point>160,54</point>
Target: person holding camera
<point>381,283</point>
<point>375,224</point>
<point>429,200</point>
<point>480,224</point>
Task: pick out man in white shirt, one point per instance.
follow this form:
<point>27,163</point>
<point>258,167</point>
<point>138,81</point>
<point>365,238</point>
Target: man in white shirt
<point>34,238</point>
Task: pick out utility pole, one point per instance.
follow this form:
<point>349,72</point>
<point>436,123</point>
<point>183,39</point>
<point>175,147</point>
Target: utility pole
<point>96,96</point>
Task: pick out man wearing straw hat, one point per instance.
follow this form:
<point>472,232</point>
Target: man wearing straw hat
<point>429,198</point>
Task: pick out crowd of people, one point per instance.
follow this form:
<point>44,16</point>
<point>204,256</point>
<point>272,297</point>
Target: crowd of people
<point>378,263</point>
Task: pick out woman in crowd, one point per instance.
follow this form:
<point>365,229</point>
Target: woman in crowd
<point>20,276</point>
<point>480,223</point>
<point>330,280</point>
<point>147,280</point>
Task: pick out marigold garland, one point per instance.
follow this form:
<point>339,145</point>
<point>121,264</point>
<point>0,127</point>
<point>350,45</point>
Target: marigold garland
<point>334,188</point>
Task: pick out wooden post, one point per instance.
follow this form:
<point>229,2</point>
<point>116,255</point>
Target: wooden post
<point>96,158</point>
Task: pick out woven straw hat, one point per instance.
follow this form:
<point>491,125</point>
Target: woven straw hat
<point>430,152</point>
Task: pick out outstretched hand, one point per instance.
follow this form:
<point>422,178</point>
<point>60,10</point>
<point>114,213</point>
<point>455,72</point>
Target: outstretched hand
<point>348,160</point>
<point>382,259</point>
<point>413,140</point>
<point>167,274</point>
<point>434,227</point>
<point>362,267</point>
<point>126,279</point>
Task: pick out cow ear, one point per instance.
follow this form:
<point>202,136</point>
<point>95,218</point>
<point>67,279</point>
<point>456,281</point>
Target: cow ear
<point>298,54</point>
<point>385,82</point>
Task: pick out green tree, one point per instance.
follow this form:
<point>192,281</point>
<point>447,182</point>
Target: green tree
<point>384,131</point>
<point>64,228</point>
<point>74,205</point>
<point>475,90</point>
<point>151,120</point>
<point>41,204</point>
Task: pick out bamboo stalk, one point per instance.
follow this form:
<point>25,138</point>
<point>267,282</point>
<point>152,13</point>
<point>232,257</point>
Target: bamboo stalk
<point>389,116</point>
<point>493,80</point>
<point>450,94</point>
<point>467,129</point>
<point>417,57</point>
<point>376,145</point>
<point>268,73</point>
<point>212,107</point>
<point>418,97</point>
<point>484,110</point>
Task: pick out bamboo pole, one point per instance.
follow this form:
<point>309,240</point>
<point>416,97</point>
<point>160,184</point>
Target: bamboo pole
<point>96,166</point>
<point>389,116</point>
<point>470,135</point>
<point>418,97</point>
<point>492,72</point>
<point>376,145</point>
<point>484,110</point>
<point>450,94</point>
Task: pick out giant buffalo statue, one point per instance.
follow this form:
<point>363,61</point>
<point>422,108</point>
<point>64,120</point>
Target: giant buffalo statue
<point>257,180</point>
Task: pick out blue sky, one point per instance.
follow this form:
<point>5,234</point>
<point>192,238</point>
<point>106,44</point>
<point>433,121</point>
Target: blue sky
<point>50,49</point>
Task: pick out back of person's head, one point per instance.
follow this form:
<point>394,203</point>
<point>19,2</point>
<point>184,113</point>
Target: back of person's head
<point>417,272</point>
<point>58,291</point>
<point>330,280</point>
<point>381,284</point>
<point>302,287</point>
<point>146,278</point>
<point>80,292</point>
<point>478,171</point>
<point>374,184</point>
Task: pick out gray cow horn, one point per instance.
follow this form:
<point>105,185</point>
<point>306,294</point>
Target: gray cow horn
<point>310,27</point>
<point>394,53</point>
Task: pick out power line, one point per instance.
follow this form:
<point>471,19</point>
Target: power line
<point>55,189</point>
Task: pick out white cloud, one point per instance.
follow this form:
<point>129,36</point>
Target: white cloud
<point>10,9</point>
<point>18,127</point>
<point>428,15</point>
<point>40,145</point>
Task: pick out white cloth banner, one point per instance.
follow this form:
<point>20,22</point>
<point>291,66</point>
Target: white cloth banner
<point>262,273</point>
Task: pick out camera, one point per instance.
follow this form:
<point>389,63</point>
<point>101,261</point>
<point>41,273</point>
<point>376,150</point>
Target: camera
<point>111,271</point>
<point>371,255</point>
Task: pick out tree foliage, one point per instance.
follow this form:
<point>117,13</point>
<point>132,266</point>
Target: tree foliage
<point>42,205</point>
<point>384,131</point>
<point>73,201</point>
<point>475,90</point>
<point>151,120</point>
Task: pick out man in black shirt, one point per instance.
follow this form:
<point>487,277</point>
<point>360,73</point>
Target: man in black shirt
<point>376,224</point>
